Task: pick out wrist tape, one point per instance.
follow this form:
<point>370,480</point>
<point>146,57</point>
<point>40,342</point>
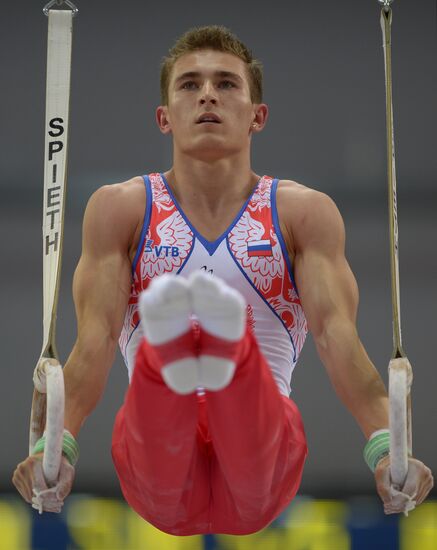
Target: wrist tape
<point>70,448</point>
<point>377,448</point>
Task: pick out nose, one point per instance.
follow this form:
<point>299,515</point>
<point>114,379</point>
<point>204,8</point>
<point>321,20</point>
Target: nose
<point>208,94</point>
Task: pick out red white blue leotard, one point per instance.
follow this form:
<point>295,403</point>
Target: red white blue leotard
<point>250,256</point>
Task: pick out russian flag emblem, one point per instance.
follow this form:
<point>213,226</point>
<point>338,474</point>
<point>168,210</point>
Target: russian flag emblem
<point>259,248</point>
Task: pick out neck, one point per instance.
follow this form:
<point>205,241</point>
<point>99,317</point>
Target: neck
<point>211,185</point>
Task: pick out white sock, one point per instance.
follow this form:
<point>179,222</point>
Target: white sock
<point>165,309</point>
<point>221,310</point>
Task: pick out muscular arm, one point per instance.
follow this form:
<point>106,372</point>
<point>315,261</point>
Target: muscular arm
<point>101,289</point>
<point>329,296</point>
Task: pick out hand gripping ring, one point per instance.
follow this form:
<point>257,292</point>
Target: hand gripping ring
<point>48,400</point>
<point>400,380</point>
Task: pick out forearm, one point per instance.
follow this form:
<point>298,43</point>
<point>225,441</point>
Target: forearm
<point>354,377</point>
<point>85,375</point>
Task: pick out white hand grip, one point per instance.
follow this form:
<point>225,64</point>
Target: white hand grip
<point>49,395</point>
<point>400,380</point>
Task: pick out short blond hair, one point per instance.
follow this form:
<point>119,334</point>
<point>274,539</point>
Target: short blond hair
<point>212,37</point>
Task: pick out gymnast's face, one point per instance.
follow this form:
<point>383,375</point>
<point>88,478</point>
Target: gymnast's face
<point>210,111</point>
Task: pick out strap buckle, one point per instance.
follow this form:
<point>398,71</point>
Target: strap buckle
<point>59,3</point>
<point>386,4</point>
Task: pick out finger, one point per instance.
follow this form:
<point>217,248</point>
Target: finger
<point>413,480</point>
<point>396,508</point>
<point>424,490</point>
<point>56,509</point>
<point>427,486</point>
<point>389,511</point>
<point>53,507</point>
<point>23,482</point>
<point>66,478</point>
<point>382,478</point>
<point>19,485</point>
<point>36,505</point>
<point>46,496</point>
<point>399,509</point>
<point>419,481</point>
<point>47,501</point>
<point>24,491</point>
<point>398,503</point>
<point>39,482</point>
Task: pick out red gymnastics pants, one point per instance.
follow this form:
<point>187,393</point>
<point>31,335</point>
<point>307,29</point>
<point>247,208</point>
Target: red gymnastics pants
<point>227,461</point>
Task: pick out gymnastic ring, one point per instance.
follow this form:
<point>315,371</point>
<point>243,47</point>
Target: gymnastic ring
<point>47,415</point>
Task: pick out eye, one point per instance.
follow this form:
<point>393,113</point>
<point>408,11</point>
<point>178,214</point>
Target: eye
<point>189,85</point>
<point>227,84</point>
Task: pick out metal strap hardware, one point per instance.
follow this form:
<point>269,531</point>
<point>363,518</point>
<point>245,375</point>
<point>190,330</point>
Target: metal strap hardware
<point>59,3</point>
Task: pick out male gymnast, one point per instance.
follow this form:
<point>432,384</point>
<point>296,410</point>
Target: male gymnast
<point>209,276</point>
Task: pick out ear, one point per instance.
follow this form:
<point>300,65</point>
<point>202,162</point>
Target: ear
<point>260,116</point>
<point>162,119</point>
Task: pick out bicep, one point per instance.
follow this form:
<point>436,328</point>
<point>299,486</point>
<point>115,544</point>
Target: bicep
<point>101,292</point>
<point>327,289</point>
<point>326,284</point>
<point>102,280</point>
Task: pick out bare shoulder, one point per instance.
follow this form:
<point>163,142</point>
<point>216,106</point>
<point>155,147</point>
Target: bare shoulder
<point>115,211</point>
<point>117,198</point>
<point>303,200</point>
<point>307,214</point>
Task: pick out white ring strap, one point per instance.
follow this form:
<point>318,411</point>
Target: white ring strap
<point>55,162</point>
<point>400,371</point>
<point>48,400</point>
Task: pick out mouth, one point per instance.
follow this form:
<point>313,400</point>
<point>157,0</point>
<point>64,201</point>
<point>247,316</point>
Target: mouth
<point>208,118</point>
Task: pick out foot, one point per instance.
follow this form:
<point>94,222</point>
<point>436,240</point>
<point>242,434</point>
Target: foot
<point>221,312</point>
<point>165,310</point>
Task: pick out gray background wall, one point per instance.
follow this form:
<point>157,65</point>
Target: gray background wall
<point>324,83</point>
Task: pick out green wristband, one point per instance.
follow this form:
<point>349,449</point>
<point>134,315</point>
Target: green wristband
<point>39,446</point>
<point>377,448</point>
<point>70,448</point>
